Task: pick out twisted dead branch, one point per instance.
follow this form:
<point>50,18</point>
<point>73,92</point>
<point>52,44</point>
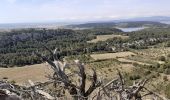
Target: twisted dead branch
<point>124,92</point>
<point>60,75</point>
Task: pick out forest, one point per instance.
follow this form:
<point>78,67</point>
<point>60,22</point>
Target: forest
<point>17,46</point>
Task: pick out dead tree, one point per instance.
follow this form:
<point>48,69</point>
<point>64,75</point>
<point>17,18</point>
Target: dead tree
<point>78,91</point>
<point>123,92</point>
<point>10,91</point>
<point>6,91</point>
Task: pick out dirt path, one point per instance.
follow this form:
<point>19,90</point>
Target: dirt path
<point>124,60</point>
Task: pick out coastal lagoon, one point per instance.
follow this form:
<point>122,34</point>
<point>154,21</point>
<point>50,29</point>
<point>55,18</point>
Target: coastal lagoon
<point>132,29</point>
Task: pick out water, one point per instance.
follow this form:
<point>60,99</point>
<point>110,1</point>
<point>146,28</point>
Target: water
<point>132,29</point>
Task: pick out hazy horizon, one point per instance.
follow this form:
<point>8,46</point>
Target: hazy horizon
<point>35,11</point>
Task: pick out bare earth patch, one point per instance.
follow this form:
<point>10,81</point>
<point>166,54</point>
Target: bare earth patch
<point>111,55</point>
<point>105,37</point>
<point>21,75</point>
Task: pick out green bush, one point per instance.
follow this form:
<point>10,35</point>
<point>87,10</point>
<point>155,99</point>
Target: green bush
<point>158,65</point>
<point>134,77</point>
<point>13,82</point>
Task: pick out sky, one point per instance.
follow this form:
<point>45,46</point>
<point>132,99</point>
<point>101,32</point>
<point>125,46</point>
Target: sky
<point>21,11</point>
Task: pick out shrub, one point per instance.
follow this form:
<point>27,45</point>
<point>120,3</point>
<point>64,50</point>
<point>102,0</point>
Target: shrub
<point>105,72</point>
<point>168,55</point>
<point>167,71</point>
<point>165,78</point>
<point>168,44</point>
<point>135,64</point>
<point>134,77</point>
<point>157,74</point>
<point>158,65</point>
<point>162,58</point>
<point>13,82</point>
<point>147,72</point>
<point>151,67</point>
<point>5,78</point>
<point>153,76</point>
<point>166,65</point>
<point>160,70</point>
<point>110,70</point>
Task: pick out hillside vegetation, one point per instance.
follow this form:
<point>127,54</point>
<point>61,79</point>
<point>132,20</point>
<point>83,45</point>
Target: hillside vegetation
<point>139,55</point>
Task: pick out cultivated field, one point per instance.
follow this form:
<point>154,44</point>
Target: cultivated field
<point>105,37</point>
<point>155,52</point>
<point>111,55</point>
<point>150,55</point>
<point>21,75</point>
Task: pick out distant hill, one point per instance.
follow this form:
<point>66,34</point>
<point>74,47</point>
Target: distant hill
<point>94,25</point>
<point>31,25</point>
<point>158,21</point>
<point>140,24</point>
<point>125,24</point>
<point>153,19</point>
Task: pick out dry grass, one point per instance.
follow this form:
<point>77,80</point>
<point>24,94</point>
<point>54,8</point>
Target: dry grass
<point>107,69</point>
<point>111,55</point>
<point>21,75</point>
<point>151,55</point>
<point>105,37</point>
